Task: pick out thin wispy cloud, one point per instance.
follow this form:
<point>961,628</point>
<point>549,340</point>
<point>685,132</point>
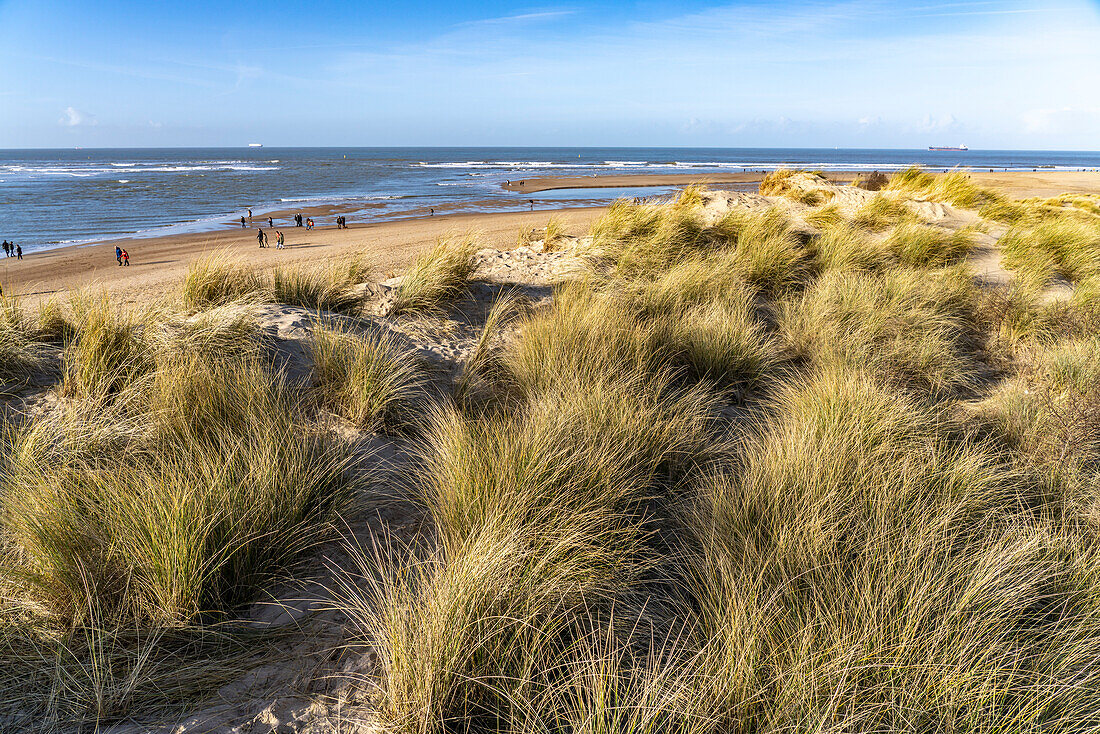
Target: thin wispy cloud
<point>518,18</point>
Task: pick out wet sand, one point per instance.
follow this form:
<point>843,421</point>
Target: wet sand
<point>158,265</point>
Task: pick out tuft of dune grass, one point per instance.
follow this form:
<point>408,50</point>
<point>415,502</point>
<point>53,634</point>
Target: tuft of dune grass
<point>437,277</point>
<point>22,355</point>
<point>217,280</point>
<point>842,246</point>
<point>908,325</point>
<point>824,216</point>
<point>324,290</point>
<point>691,196</point>
<point>954,187</point>
<point>174,500</point>
<point>585,335</point>
<point>853,486</point>
<point>644,241</point>
<point>552,234</point>
<point>921,245</point>
<point>366,379</point>
<point>1060,247</point>
<point>881,212</point>
<point>537,519</point>
<point>110,350</point>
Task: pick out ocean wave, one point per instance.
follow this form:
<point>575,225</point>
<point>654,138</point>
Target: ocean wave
<point>335,199</point>
<point>115,168</point>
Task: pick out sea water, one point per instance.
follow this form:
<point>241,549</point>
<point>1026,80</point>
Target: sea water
<point>51,198</point>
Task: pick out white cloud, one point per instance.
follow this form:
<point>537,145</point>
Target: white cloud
<point>1059,119</point>
<point>72,117</point>
<point>937,123</point>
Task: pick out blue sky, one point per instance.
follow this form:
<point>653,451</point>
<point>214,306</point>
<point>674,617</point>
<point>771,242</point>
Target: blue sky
<point>859,73</point>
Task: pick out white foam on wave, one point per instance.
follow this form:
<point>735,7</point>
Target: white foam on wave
<point>335,199</point>
<point>115,168</point>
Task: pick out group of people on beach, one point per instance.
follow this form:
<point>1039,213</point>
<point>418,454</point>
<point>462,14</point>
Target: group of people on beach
<point>13,250</point>
<point>280,241</point>
<point>122,256</point>
<point>341,222</point>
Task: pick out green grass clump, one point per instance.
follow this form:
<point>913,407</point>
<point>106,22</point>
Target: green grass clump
<point>217,280</point>
<point>841,246</point>
<point>1059,247</point>
<point>763,248</point>
<point>111,349</point>
<point>51,324</point>
<point>552,234</point>
<point>910,325</point>
<point>921,245</point>
<point>538,518</point>
<point>220,281</point>
<point>22,355</point>
<point>169,503</point>
<point>824,217</point>
<point>850,486</point>
<point>651,329</point>
<point>368,380</point>
<point>691,196</point>
<point>646,239</point>
<point>792,184</point>
<point>436,278</point>
<point>882,212</point>
<point>955,187</point>
<point>324,290</point>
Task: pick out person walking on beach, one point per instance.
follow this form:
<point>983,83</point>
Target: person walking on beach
<point>18,251</point>
<point>242,222</point>
<point>118,255</point>
<point>279,241</point>
<point>270,223</point>
<point>250,215</point>
<point>261,238</point>
<point>6,246</point>
<point>309,223</point>
<point>126,258</point>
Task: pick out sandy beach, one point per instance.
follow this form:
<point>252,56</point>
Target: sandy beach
<point>157,265</point>
<point>1020,184</point>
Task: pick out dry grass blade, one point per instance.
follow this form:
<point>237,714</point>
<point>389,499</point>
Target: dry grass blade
<point>437,277</point>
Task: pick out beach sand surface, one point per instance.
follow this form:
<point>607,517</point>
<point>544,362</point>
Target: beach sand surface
<point>1019,184</point>
<point>158,264</point>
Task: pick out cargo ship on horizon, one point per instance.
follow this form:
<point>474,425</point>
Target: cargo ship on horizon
<point>947,147</point>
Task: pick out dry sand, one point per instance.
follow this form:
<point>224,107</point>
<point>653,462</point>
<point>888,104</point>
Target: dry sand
<point>1025,184</point>
<point>1020,184</point>
<point>158,265</point>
